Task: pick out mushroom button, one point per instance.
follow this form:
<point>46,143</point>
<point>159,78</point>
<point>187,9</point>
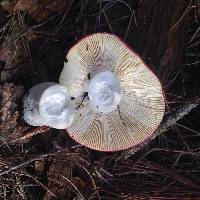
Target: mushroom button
<point>48,104</point>
<point>126,102</point>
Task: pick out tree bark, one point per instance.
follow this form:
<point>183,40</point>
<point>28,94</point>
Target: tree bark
<point>163,27</point>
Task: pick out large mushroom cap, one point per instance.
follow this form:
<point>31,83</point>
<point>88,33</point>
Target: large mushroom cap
<point>141,106</point>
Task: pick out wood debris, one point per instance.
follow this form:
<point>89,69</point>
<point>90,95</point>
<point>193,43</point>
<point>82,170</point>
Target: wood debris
<point>14,53</point>
<point>10,127</point>
<point>38,10</point>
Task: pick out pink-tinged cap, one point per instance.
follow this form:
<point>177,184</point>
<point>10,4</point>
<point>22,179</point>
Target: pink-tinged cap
<point>140,108</point>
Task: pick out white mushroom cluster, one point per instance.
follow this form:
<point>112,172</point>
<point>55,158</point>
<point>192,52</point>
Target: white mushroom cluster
<point>117,101</point>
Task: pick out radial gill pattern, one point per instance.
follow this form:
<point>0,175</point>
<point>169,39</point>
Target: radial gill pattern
<point>142,105</point>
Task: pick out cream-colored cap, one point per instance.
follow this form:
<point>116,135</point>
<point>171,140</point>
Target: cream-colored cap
<point>142,104</point>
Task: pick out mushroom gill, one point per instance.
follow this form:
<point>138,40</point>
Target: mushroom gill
<point>129,97</point>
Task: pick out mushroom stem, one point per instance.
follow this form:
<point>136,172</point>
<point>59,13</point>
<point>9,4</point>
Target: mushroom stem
<point>104,92</point>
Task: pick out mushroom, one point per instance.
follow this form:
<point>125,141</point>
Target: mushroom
<point>104,92</point>
<point>48,104</point>
<point>125,102</point>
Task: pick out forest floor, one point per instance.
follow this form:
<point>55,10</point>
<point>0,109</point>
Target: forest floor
<point>35,36</point>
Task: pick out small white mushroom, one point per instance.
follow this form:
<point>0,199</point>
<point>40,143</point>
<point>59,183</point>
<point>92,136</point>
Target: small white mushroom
<point>126,102</point>
<point>48,104</point>
<point>31,104</point>
<point>56,108</point>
